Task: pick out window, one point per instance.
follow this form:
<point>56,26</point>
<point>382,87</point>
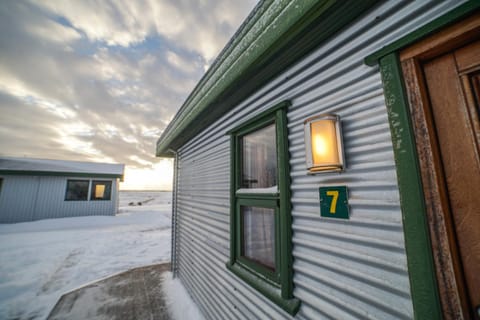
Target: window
<point>77,190</point>
<point>101,190</point>
<point>260,224</point>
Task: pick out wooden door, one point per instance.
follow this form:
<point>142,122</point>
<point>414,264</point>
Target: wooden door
<point>442,77</point>
<point>452,84</point>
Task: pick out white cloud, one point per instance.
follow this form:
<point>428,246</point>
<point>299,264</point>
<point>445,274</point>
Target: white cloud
<point>111,65</point>
<point>108,129</point>
<point>139,160</point>
<point>101,20</point>
<point>14,87</point>
<point>54,32</point>
<point>99,80</point>
<point>202,27</point>
<point>180,63</point>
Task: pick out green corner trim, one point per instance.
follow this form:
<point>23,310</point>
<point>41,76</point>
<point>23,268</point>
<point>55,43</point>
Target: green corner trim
<point>423,285</point>
<point>274,37</point>
<point>424,31</point>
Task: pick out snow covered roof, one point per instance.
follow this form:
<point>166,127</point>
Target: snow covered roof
<point>28,166</point>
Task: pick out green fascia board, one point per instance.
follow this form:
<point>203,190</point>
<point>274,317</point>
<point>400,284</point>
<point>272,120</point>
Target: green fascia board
<point>425,31</point>
<point>60,174</point>
<point>423,283</point>
<point>276,36</point>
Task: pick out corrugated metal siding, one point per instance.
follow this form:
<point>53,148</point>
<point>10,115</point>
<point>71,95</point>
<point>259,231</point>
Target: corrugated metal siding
<point>27,198</point>
<point>342,269</point>
<point>20,191</point>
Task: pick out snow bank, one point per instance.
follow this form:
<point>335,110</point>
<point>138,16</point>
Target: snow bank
<point>180,305</point>
<point>41,260</point>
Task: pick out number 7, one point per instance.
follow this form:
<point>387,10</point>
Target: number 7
<point>333,205</point>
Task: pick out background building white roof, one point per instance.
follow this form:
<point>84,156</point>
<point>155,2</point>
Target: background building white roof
<point>10,165</point>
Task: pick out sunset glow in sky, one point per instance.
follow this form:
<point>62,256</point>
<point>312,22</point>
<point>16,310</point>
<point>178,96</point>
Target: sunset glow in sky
<point>100,80</point>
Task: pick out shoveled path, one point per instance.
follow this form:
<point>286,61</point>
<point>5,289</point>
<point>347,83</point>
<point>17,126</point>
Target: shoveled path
<point>134,294</point>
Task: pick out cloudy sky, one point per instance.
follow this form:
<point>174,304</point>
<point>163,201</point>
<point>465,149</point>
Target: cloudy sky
<point>100,80</point>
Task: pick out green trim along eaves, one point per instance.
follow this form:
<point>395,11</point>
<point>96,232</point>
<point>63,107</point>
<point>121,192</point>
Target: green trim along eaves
<point>424,31</point>
<point>60,174</point>
<point>262,32</point>
<point>423,285</point>
<point>279,34</point>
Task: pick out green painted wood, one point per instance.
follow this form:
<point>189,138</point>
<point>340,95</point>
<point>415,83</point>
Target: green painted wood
<point>279,34</point>
<point>286,258</point>
<point>233,187</point>
<point>424,290</point>
<point>425,31</point>
<point>278,285</point>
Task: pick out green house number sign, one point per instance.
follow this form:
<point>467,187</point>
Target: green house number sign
<point>334,202</point>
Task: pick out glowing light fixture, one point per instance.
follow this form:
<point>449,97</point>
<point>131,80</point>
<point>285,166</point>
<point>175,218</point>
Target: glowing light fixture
<point>323,144</point>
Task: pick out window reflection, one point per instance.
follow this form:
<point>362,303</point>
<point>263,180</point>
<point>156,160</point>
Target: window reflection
<point>259,164</point>
<point>77,190</point>
<point>259,235</point>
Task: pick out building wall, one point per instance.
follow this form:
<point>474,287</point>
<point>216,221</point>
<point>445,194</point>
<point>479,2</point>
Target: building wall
<point>28,198</point>
<point>342,269</point>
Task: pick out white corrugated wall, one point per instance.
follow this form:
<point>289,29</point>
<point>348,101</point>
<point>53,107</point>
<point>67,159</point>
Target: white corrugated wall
<point>343,269</point>
<point>28,198</point>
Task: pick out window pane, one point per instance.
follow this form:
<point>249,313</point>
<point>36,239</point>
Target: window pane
<point>101,190</point>
<point>259,235</point>
<point>77,190</point>
<point>259,159</point>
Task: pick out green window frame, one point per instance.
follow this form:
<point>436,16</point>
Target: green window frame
<point>276,283</point>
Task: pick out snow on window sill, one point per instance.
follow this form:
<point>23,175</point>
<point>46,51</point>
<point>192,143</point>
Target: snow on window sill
<point>270,190</point>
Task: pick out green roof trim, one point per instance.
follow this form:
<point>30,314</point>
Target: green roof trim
<point>275,36</point>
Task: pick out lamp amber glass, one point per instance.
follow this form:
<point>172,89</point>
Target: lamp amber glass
<point>324,143</point>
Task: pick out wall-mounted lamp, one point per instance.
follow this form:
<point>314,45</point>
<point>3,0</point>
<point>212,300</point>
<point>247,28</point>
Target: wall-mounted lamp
<point>323,144</point>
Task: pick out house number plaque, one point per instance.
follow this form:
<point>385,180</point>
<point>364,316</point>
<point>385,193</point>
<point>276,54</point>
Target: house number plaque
<point>334,202</point>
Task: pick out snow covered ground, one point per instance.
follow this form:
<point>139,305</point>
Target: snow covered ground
<point>41,260</point>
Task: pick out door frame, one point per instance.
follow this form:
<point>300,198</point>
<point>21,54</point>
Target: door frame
<point>428,292</point>
<point>447,262</point>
